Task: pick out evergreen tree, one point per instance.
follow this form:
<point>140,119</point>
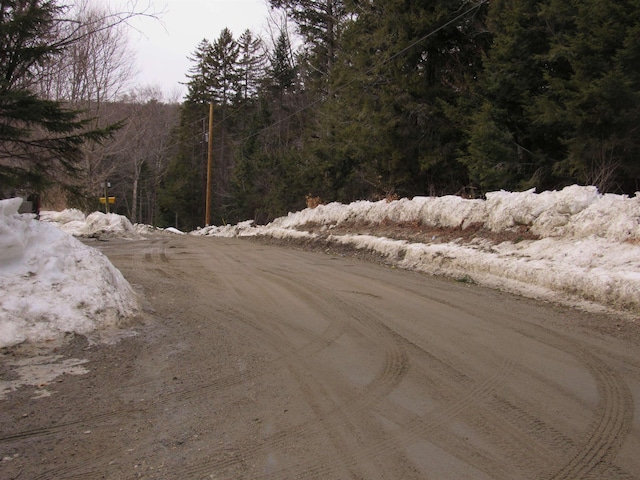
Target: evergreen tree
<point>282,72</point>
<point>410,97</point>
<point>39,139</point>
<point>400,63</point>
<point>224,67</point>
<point>251,64</point>
<point>199,89</point>
<point>319,23</point>
<point>182,190</point>
<point>224,74</point>
<point>505,150</point>
<point>595,85</point>
<point>270,176</point>
<point>227,91</point>
<point>557,102</point>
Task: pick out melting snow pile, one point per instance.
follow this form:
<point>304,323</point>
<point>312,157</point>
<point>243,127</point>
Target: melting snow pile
<point>77,224</point>
<point>51,283</point>
<point>575,212</point>
<point>588,253</point>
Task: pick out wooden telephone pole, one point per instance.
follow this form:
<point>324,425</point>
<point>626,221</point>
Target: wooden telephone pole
<point>207,215</point>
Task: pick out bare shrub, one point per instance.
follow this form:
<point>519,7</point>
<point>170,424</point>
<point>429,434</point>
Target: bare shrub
<point>313,202</point>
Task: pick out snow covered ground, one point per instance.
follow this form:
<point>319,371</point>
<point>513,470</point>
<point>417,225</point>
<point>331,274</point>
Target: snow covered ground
<point>587,254</point>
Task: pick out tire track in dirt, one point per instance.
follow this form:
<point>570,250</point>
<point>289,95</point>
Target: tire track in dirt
<point>547,436</point>
<point>609,432</point>
<point>381,331</point>
<point>93,420</point>
<point>317,343</point>
<point>422,428</point>
<point>333,419</point>
<point>598,448</point>
<point>613,416</point>
<point>485,419</point>
<point>84,468</point>
<point>339,409</point>
<point>364,317</point>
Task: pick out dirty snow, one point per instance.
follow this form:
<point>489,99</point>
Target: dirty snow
<point>588,254</point>
<point>51,283</point>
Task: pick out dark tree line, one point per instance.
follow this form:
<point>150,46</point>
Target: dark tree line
<point>400,98</point>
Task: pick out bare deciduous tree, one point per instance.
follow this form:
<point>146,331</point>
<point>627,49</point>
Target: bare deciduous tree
<point>146,140</point>
<point>95,70</point>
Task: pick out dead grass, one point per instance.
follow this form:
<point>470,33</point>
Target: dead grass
<point>417,232</point>
<point>313,202</point>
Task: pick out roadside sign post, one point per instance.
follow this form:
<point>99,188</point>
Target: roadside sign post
<point>106,199</point>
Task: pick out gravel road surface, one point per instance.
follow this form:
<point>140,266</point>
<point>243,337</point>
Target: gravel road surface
<point>254,361</point>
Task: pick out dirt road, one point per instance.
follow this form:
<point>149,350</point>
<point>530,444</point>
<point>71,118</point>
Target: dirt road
<point>261,362</point>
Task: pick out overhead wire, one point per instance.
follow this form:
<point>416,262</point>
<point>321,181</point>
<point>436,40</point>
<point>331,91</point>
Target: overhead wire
<point>339,88</point>
<point>370,69</point>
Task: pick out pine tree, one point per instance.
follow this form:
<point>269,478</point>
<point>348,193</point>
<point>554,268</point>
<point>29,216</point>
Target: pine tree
<point>269,176</point>
<point>400,63</point>
<point>595,93</point>
<point>320,25</point>
<point>200,74</point>
<point>505,150</point>
<point>40,140</point>
<point>251,64</point>
<point>282,72</point>
<point>558,99</point>
<point>224,67</point>
<point>182,191</point>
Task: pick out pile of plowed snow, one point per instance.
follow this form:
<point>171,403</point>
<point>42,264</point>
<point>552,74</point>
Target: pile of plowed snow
<point>95,224</point>
<point>588,254</point>
<point>52,284</point>
<point>574,212</point>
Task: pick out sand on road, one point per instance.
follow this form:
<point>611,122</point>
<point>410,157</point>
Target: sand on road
<point>254,361</point>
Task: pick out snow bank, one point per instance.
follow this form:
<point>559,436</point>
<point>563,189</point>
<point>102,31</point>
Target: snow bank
<point>588,253</point>
<point>226,231</point>
<point>75,223</point>
<point>576,212</point>
<point>50,283</point>
<point>586,273</point>
<point>174,230</point>
<point>589,249</point>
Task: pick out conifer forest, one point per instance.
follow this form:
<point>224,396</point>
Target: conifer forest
<point>346,100</point>
<point>394,98</point>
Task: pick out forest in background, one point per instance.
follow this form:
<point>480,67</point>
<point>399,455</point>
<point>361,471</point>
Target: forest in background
<point>397,98</point>
<point>341,100</point>
<point>73,128</point>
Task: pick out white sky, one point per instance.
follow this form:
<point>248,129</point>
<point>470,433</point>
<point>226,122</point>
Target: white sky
<point>163,47</point>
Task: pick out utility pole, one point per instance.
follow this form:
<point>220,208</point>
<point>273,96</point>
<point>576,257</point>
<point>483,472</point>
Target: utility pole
<point>207,219</point>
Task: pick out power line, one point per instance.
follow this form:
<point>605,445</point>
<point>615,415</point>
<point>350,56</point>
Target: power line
<point>369,70</point>
<point>340,88</point>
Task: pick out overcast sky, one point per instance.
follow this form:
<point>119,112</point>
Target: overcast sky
<point>162,47</point>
